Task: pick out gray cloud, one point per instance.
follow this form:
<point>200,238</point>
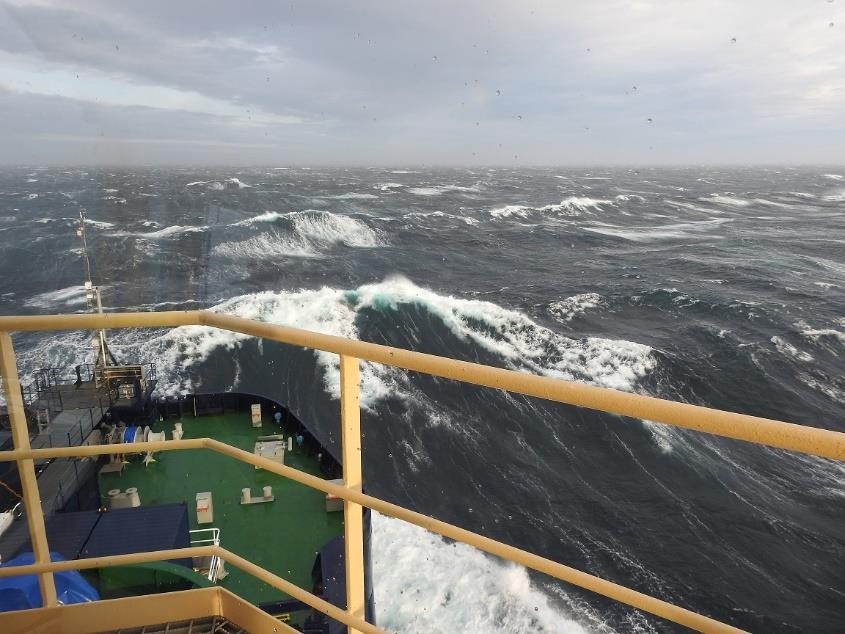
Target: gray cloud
<point>380,82</point>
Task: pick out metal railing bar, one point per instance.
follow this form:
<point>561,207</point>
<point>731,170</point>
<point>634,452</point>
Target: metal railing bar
<point>197,551</point>
<point>554,569</point>
<point>774,433</point>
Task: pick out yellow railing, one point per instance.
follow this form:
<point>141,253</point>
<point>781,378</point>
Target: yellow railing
<point>763,431</point>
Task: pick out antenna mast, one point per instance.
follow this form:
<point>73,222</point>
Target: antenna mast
<point>94,300</point>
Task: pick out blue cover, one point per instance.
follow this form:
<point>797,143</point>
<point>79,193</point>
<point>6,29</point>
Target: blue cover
<point>22,593</point>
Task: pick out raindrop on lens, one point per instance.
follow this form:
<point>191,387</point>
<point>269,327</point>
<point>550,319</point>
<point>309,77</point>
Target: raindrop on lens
<point>499,92</point>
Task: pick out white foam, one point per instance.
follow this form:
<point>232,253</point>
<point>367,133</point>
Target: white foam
<point>267,216</point>
<point>436,190</point>
<point>651,233</point>
<point>269,245</point>
<point>818,334</point>
<point>31,180</point>
<point>70,296</point>
<point>726,200</point>
<point>355,196</point>
<point>835,177</point>
<point>441,214</point>
<point>326,228</point>
<point>565,309</point>
<point>388,186</point>
<point>115,200</point>
<point>173,230</point>
<point>572,206</point>
<point>99,224</point>
<point>518,341</point>
<point>787,349</point>
<point>424,584</point>
<point>31,196</point>
<point>237,183</point>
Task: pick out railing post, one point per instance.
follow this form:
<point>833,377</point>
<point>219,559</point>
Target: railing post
<point>26,468</point>
<point>350,425</point>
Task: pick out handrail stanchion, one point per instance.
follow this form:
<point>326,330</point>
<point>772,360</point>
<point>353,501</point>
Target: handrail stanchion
<point>353,524</point>
<point>26,469</point>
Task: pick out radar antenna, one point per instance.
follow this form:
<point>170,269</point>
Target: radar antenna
<point>94,301</point>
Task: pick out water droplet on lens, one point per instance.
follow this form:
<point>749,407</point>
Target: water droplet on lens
<point>650,120</point>
<point>434,58</point>
<point>830,25</point>
<point>519,116</point>
<point>498,93</point>
<point>733,40</point>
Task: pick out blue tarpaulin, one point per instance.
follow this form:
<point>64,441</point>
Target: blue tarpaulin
<point>22,593</point>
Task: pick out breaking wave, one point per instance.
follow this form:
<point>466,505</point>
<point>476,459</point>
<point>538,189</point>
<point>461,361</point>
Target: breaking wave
<point>272,245</point>
<point>572,206</point>
<point>514,338</point>
<point>325,227</point>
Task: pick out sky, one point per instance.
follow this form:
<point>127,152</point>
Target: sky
<point>460,82</point>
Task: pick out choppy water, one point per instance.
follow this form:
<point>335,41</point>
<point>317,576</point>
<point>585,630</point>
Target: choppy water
<point>712,286</point>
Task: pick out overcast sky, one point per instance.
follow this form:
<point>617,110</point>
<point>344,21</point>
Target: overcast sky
<point>455,82</point>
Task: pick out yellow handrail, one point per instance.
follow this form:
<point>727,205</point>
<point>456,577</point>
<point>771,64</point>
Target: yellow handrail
<point>810,440</point>
<point>758,430</point>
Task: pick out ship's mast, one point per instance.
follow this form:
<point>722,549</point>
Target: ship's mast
<point>95,301</point>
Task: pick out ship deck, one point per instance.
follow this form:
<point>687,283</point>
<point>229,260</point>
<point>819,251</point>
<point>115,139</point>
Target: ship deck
<point>282,536</point>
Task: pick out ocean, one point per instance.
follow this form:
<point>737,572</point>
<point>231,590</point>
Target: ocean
<point>720,287</point>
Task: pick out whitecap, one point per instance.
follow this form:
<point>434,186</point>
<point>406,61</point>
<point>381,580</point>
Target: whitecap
<point>572,206</point>
<point>267,216</point>
<point>565,309</point>
<point>437,190</point>
<point>327,228</point>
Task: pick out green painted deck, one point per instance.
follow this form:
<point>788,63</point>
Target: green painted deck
<point>281,536</point>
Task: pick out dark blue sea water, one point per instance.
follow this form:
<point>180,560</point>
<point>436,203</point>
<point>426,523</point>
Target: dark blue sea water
<point>720,287</point>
